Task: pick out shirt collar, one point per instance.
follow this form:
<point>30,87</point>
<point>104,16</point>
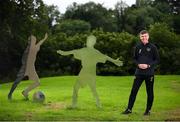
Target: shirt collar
<point>145,44</point>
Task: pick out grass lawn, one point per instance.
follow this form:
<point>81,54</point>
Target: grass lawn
<point>113,91</point>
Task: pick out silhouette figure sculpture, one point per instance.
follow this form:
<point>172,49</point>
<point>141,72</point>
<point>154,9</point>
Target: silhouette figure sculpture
<point>89,57</point>
<point>28,66</point>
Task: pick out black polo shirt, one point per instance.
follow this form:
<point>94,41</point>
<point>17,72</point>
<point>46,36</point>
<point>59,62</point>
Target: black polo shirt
<point>146,54</point>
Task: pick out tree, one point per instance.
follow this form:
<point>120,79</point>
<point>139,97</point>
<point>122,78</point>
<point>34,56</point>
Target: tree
<point>142,3</point>
<point>170,10</point>
<point>53,15</point>
<point>176,23</point>
<point>168,43</point>
<point>97,15</point>
<point>18,19</point>
<point>140,18</point>
<point>172,6</point>
<point>120,15</point>
<point>72,27</point>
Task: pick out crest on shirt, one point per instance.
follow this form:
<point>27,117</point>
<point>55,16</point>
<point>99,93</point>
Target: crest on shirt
<point>148,49</point>
<point>139,51</point>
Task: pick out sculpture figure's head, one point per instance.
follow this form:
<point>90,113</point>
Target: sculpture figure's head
<point>91,41</point>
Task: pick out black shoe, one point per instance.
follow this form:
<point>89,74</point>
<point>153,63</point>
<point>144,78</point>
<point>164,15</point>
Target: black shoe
<point>147,113</point>
<point>127,111</point>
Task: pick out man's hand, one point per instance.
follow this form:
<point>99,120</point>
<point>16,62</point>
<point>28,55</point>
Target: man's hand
<point>143,66</point>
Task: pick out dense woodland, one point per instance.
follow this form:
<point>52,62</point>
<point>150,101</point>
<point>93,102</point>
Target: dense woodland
<point>116,31</point>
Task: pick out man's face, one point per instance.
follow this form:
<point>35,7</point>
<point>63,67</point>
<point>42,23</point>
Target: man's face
<point>144,38</point>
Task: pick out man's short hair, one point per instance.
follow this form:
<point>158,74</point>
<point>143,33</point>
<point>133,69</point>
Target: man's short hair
<point>143,32</point>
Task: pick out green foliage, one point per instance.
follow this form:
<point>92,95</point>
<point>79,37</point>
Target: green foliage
<point>169,45</point>
<point>176,24</point>
<point>53,15</point>
<point>140,3</point>
<point>115,45</point>
<point>97,15</point>
<point>71,27</point>
<point>141,18</point>
<point>18,19</point>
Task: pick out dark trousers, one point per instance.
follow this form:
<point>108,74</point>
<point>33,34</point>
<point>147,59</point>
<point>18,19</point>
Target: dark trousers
<point>149,81</point>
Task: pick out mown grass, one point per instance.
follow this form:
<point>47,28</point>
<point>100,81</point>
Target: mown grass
<point>113,91</point>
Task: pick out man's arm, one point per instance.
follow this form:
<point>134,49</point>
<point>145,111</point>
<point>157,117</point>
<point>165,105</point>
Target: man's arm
<point>156,57</point>
<point>135,56</point>
<point>42,41</point>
